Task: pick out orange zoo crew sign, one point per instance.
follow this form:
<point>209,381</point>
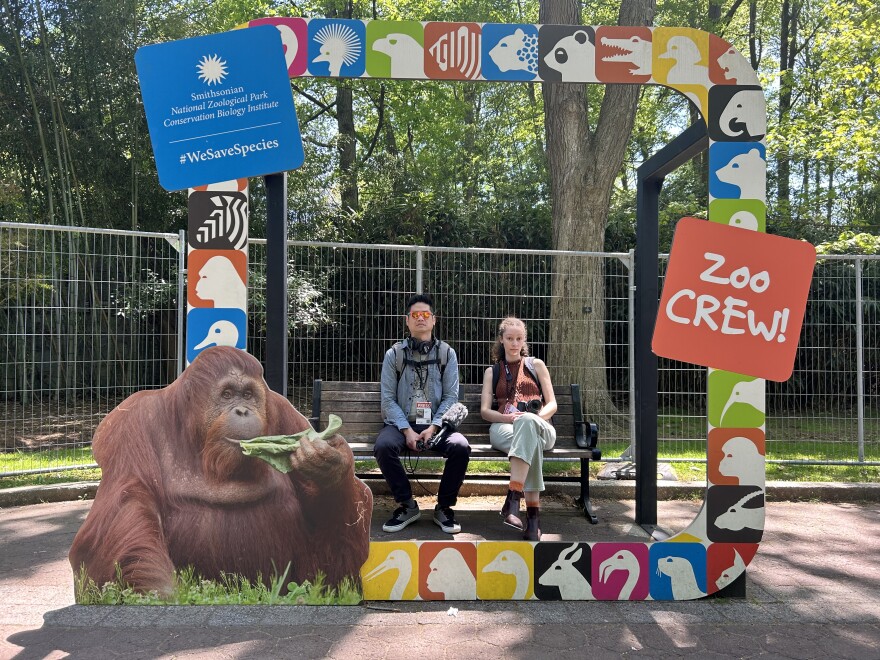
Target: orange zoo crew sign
<point>734,299</point>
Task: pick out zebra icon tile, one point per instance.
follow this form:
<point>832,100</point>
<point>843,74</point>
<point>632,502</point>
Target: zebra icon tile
<point>218,220</point>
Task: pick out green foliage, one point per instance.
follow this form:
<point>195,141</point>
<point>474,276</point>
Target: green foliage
<point>191,589</point>
<point>850,242</point>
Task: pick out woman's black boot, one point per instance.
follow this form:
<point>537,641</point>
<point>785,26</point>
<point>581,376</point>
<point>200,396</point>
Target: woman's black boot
<point>533,524</point>
<point>510,510</point>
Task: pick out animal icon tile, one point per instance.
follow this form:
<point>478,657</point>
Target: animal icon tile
<point>567,53</point>
<point>727,66</point>
<point>620,571</point>
<point>748,214</point>
<point>735,514</point>
<point>737,170</point>
<point>510,52</point>
<point>725,562</point>
<point>735,401</point>
<point>294,38</point>
<point>448,571</point>
<point>562,571</point>
<point>735,457</point>
<point>391,571</point>
<point>395,49</point>
<point>678,571</point>
<point>504,571</point>
<point>737,113</point>
<point>336,47</point>
<point>623,54</point>
<point>452,51</point>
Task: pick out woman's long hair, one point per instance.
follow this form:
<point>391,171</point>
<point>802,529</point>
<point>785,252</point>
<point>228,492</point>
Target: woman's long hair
<point>507,323</point>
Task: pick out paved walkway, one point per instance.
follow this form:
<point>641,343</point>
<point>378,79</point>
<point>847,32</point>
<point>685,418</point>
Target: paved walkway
<point>813,592</point>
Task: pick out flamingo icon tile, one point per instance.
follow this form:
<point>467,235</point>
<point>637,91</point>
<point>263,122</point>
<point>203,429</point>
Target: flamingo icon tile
<point>504,571</point>
<point>391,571</point>
<point>562,571</point>
<point>620,571</point>
<point>448,571</point>
<point>294,39</point>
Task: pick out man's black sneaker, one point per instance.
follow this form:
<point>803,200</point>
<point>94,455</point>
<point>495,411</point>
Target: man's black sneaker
<point>445,518</point>
<point>401,518</point>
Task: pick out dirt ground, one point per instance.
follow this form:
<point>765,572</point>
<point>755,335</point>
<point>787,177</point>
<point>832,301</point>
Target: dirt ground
<point>50,424</point>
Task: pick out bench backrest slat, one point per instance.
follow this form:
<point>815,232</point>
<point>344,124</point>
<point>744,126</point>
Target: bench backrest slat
<point>358,404</point>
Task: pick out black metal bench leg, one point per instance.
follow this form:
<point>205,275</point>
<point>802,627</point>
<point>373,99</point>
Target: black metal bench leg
<point>584,499</point>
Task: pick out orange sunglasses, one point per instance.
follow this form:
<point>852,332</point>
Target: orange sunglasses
<point>420,315</point>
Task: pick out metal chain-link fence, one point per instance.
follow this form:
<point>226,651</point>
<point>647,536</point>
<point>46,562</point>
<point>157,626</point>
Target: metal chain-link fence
<point>89,316</point>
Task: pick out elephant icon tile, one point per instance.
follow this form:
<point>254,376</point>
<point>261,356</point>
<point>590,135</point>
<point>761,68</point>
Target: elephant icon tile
<point>737,114</point>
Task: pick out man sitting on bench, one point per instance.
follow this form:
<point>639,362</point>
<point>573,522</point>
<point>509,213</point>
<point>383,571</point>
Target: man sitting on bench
<point>419,384</point>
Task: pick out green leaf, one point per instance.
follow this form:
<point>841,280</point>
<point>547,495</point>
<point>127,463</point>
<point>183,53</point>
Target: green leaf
<point>276,449</point>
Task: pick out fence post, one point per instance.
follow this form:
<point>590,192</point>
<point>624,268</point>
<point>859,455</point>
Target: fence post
<point>860,359</point>
<point>181,298</point>
<point>276,367</point>
<point>419,265</point>
<point>631,327</point>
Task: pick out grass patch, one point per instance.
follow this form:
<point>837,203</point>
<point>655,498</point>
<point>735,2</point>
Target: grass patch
<point>667,448</point>
<point>190,589</point>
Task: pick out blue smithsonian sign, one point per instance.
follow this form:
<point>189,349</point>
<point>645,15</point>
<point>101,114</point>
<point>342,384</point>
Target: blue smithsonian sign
<point>219,107</point>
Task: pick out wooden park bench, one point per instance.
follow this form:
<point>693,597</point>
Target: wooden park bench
<point>359,406</point>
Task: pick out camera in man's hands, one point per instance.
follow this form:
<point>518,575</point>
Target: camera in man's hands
<point>430,444</point>
<point>533,406</point>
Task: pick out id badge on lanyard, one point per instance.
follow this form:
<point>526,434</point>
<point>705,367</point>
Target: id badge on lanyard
<point>423,412</point>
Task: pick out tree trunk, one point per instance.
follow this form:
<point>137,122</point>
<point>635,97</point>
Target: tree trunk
<point>583,164</point>
<point>787,52</point>
<point>347,147</point>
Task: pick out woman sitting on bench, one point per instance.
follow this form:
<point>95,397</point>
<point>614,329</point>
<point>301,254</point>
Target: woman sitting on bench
<point>518,400</point>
